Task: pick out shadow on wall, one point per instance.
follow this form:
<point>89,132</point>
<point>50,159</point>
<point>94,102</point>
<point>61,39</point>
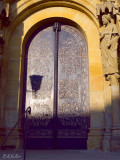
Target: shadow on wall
<point>9,110</point>
<point>36,81</point>
<point>46,130</point>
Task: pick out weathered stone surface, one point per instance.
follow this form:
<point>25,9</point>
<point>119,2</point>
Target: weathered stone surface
<point>12,87</point>
<point>13,75</point>
<point>95,139</point>
<point>14,52</point>
<point>115,143</point>
<point>94,86</point>
<point>11,102</point>
<point>14,65</point>
<point>11,117</point>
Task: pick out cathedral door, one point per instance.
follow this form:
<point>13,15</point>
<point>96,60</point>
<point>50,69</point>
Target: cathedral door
<point>56,88</point>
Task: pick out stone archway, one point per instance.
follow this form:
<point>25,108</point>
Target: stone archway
<point>16,43</point>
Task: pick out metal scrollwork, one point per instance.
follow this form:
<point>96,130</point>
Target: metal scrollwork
<point>73,101</point>
<point>68,89</point>
<point>41,115</point>
<point>39,83</point>
<point>68,78</point>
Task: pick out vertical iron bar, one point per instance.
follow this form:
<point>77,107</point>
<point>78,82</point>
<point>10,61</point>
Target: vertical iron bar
<point>25,136</point>
<point>56,29</point>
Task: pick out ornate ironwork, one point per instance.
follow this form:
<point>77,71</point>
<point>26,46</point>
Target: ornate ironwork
<point>73,101</point>
<point>60,100</point>
<point>40,82</point>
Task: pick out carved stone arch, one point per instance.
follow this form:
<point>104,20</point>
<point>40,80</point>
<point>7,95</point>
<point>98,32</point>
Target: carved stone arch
<point>28,5</point>
<point>36,23</point>
<point>18,37</point>
<point>20,14</point>
<point>44,22</point>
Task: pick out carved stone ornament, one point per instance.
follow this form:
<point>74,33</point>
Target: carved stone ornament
<point>114,79</point>
<point>4,21</point>
<point>109,46</point>
<point>4,13</point>
<point>109,37</point>
<point>111,5</point>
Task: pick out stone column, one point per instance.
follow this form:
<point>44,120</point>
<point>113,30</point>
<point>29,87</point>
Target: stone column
<point>115,95</point>
<point>97,121</point>
<point>108,116</point>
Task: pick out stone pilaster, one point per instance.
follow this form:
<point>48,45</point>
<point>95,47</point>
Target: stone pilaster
<point>95,138</point>
<point>108,116</point>
<point>97,121</point>
<point>115,95</point>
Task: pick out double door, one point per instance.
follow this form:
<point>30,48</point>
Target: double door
<point>57,88</point>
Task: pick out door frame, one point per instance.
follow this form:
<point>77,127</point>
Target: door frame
<point>92,92</point>
<point>80,18</point>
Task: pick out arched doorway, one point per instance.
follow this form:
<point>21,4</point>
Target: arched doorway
<point>56,88</point>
